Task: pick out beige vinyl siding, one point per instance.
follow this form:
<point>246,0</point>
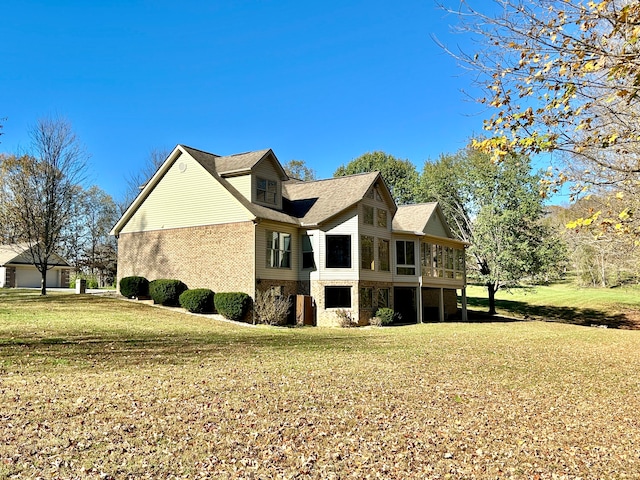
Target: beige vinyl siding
<point>207,202</point>
<point>345,224</point>
<point>266,170</point>
<point>264,272</point>
<point>435,227</point>
<point>242,183</point>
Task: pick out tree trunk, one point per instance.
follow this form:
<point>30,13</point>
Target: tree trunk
<point>492,298</point>
<point>43,282</point>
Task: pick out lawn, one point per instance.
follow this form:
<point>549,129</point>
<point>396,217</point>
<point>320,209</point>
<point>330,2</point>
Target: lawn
<point>97,387</point>
<point>564,302</point>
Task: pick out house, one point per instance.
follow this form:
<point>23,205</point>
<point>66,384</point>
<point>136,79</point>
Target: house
<point>239,223</point>
<point>17,268</point>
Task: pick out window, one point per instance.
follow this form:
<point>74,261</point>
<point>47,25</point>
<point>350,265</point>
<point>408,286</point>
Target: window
<point>367,214</point>
<point>366,297</point>
<point>366,253</point>
<point>405,257</point>
<point>382,218</point>
<point>383,298</point>
<point>338,251</point>
<point>277,291</point>
<point>460,264</point>
<point>383,254</point>
<point>308,262</point>
<point>337,297</point>
<point>278,250</point>
<point>266,191</point>
<point>426,259</point>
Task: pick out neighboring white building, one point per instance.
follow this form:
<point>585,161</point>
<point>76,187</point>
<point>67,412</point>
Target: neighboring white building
<point>18,271</point>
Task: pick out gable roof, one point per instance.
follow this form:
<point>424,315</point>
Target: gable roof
<point>415,218</point>
<point>304,203</point>
<point>316,202</point>
<point>18,253</point>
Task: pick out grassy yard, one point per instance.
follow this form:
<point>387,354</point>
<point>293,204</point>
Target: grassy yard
<point>96,387</point>
<point>564,302</point>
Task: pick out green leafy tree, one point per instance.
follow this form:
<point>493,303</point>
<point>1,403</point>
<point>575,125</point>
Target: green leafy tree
<point>401,176</point>
<point>299,169</point>
<point>496,207</point>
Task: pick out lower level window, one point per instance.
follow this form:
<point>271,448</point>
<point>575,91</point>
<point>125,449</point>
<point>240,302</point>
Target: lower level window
<point>337,297</point>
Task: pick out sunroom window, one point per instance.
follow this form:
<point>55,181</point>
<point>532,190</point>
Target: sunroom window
<point>405,257</point>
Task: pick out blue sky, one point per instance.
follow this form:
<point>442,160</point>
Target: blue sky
<point>322,82</point>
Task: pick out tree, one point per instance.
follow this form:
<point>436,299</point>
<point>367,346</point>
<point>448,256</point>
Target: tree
<point>562,76</point>
<point>496,207</point>
<point>599,256</point>
<point>299,169</point>
<point>401,176</point>
<point>39,190</point>
<point>86,242</point>
<point>136,181</point>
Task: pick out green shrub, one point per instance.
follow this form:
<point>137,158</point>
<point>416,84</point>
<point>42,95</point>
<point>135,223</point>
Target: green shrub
<point>387,316</point>
<point>232,305</point>
<point>198,300</point>
<point>91,281</point>
<point>166,291</point>
<point>131,287</point>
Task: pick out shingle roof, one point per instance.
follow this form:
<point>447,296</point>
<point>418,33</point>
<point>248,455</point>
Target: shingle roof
<point>413,218</point>
<point>10,253</point>
<point>316,202</point>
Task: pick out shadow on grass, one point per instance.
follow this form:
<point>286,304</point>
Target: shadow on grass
<point>571,315</point>
<point>121,346</point>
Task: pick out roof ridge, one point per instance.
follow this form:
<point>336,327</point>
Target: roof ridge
<point>306,182</point>
<point>198,150</point>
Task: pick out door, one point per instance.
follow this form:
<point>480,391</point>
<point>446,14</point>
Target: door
<point>404,302</point>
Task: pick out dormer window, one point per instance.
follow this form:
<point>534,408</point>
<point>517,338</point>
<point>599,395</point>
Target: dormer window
<point>266,191</point>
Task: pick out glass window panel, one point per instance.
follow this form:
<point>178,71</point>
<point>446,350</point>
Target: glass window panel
<point>367,215</point>
<point>338,251</point>
<point>382,218</point>
<point>383,254</point>
<point>366,252</point>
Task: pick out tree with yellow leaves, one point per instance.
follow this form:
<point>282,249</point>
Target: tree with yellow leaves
<point>562,76</point>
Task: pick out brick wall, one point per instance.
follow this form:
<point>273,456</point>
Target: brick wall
<point>219,257</point>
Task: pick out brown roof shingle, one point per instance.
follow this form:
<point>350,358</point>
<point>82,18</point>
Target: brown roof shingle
<point>316,202</point>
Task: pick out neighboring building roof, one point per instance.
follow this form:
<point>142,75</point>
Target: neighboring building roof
<point>12,253</point>
<point>316,202</point>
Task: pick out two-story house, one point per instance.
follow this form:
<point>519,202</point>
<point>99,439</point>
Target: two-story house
<point>239,223</point>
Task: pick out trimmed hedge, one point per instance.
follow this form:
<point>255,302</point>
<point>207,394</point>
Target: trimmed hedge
<point>166,291</point>
<point>134,287</point>
<point>232,305</point>
<point>198,300</point>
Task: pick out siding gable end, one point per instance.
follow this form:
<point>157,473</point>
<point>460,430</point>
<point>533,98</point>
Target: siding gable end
<point>182,194</point>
